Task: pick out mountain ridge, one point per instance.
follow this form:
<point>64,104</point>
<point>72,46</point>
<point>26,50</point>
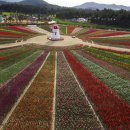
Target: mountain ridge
<point>87,5</point>
<point>33,2</point>
<point>94,6</point>
<point>40,3</point>
<point>26,2</point>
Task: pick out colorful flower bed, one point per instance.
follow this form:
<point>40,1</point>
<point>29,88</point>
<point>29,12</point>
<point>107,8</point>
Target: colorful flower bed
<point>10,92</point>
<point>115,51</point>
<point>7,29</point>
<point>76,30</point>
<point>9,51</point>
<point>118,84</point>
<point>88,32</point>
<point>6,41</point>
<point>99,32</point>
<point>2,58</point>
<point>113,110</point>
<point>13,60</point>
<point>112,34</point>
<point>81,31</point>
<point>72,109</point>
<point>70,29</point>
<point>21,28</point>
<point>35,110</point>
<point>123,42</point>
<point>110,67</point>
<point>8,33</point>
<point>108,37</point>
<point>15,68</point>
<point>120,60</point>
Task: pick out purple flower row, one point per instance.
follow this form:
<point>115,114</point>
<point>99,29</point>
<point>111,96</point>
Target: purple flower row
<point>10,92</point>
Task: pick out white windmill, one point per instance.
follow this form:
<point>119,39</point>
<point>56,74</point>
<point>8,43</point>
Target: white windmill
<point>55,32</point>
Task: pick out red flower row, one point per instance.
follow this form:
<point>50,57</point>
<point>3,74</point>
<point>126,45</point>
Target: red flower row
<point>10,34</point>
<point>70,29</point>
<point>20,28</point>
<point>114,111</point>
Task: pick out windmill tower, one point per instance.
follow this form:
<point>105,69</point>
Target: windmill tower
<point>55,32</point>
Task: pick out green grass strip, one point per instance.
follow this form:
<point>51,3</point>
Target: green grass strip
<point>14,69</point>
<point>9,62</point>
<point>12,51</point>
<point>121,86</point>
<point>63,29</point>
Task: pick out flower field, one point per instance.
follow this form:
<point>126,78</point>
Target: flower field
<point>114,111</point>
<point>10,91</point>
<point>10,34</point>
<point>71,105</point>
<point>65,87</point>
<point>35,112</point>
<point>12,62</point>
<point>70,29</point>
<point>82,88</point>
<point>105,37</point>
<point>121,60</point>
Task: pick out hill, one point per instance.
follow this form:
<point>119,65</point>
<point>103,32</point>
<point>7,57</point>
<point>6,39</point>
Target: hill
<point>33,2</point>
<point>93,5</point>
<point>2,2</point>
<point>40,3</point>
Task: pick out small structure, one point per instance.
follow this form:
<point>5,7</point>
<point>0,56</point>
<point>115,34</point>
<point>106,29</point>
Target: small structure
<point>82,19</point>
<point>1,19</point>
<point>55,33</point>
<point>52,22</point>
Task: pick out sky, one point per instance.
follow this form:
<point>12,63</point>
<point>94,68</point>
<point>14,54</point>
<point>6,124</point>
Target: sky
<point>70,3</point>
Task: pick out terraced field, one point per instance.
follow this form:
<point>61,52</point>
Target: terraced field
<point>64,89</point>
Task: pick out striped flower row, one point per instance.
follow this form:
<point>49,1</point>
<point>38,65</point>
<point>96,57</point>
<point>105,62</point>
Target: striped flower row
<point>73,111</point>
<point>113,110</point>
<point>10,92</point>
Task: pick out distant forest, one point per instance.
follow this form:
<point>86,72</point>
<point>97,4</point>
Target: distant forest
<point>120,18</point>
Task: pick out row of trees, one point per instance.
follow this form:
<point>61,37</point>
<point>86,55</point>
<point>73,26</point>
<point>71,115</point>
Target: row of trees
<point>119,18</point>
<point>110,17</point>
